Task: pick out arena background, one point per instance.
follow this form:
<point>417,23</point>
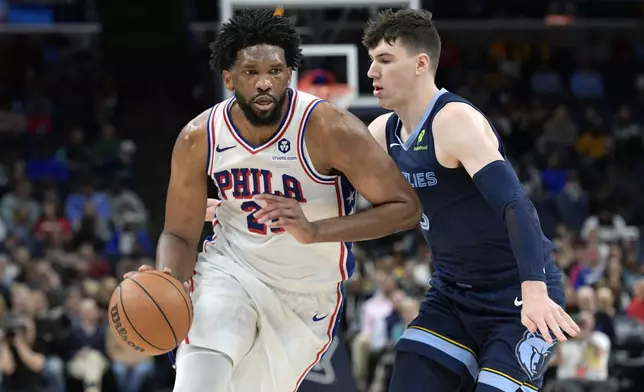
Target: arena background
<point>93,94</point>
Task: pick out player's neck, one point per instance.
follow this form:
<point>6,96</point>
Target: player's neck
<point>411,112</point>
<point>253,133</point>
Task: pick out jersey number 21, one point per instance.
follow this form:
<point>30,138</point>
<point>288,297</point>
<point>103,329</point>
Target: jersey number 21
<point>253,225</point>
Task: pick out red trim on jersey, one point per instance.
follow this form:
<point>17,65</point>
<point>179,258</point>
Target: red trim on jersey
<point>300,143</point>
<point>212,133</point>
<point>278,135</point>
<point>329,334</point>
<point>192,289</point>
<point>343,249</point>
<point>207,242</point>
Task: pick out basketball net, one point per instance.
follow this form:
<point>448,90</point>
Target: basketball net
<point>330,90</point>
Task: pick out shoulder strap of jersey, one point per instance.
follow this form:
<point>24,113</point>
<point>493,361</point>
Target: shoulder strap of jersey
<point>449,97</point>
<point>390,129</point>
<point>211,130</point>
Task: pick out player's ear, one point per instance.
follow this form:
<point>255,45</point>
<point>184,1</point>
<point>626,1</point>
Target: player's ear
<point>423,63</point>
<point>227,77</point>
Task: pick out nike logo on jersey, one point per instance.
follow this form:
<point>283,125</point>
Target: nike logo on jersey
<point>219,149</point>
<point>517,302</point>
<point>317,319</point>
<point>394,145</point>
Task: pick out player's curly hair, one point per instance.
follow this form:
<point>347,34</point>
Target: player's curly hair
<point>254,27</point>
<point>414,28</point>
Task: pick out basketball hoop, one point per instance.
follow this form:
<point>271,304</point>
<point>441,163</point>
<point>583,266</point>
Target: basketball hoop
<point>323,84</point>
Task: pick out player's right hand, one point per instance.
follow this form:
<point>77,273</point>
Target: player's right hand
<point>542,314</point>
<point>146,267</point>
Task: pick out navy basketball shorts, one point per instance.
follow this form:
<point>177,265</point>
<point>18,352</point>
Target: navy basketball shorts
<point>477,334</point>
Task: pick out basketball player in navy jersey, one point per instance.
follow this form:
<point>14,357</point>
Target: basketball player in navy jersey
<point>267,287</point>
<point>493,314</point>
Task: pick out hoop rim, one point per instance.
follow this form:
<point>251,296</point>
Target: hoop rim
<point>326,91</point>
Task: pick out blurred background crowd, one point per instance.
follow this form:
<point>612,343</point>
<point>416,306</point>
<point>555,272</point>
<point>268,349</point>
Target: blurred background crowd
<point>87,122</point>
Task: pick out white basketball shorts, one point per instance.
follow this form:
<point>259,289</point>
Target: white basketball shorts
<point>273,337</point>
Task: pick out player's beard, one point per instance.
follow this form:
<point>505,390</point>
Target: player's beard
<point>261,119</point>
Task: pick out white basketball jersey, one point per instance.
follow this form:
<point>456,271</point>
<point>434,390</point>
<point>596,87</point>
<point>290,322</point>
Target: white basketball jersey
<point>280,166</point>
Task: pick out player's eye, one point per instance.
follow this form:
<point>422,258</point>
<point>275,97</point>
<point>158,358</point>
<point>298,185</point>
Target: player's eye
<point>250,72</point>
<point>276,71</point>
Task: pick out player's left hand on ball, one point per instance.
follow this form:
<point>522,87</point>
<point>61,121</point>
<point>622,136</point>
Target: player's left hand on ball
<point>540,313</point>
<point>286,213</point>
<point>146,267</point>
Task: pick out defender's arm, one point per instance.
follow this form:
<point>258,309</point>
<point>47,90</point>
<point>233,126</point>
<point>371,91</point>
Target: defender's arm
<point>463,134</point>
<point>349,148</point>
<point>186,201</point>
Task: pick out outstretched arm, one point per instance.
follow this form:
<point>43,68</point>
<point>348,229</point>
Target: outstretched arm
<point>464,136</point>
<point>185,203</point>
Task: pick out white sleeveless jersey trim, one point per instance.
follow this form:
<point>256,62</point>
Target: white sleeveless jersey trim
<point>303,152</point>
<point>280,166</point>
<point>210,131</point>
<point>286,122</point>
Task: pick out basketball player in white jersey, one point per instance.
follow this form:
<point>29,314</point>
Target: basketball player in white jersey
<point>267,287</point>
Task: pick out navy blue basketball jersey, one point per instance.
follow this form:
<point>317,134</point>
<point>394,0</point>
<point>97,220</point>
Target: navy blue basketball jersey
<point>468,239</point>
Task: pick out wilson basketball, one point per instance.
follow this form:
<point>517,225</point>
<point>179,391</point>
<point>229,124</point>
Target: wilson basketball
<point>150,312</point>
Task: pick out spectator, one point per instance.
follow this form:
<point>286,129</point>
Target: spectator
<point>21,205</point>
<point>371,339</point>
<point>22,367</point>
<point>106,149</point>
<point>90,227</point>
<point>76,203</point>
<point>87,347</point>
<point>628,135</point>
<point>636,307</point>
<point>130,369</point>
<point>76,154</point>
<point>554,177</point>
<point>586,299</point>
<point>406,310</point>
<point>52,223</point>
<point>560,132</point>
<point>126,207</point>
<point>573,204</point>
<point>609,227</point>
<point>583,366</point>
<point>44,165</point>
<point>123,167</point>
<point>605,313</point>
<point>38,109</point>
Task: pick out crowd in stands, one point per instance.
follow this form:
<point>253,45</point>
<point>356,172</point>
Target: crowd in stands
<point>72,220</point>
<point>70,224</point>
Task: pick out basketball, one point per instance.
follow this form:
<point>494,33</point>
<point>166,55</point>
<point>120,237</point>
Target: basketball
<point>150,312</point>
